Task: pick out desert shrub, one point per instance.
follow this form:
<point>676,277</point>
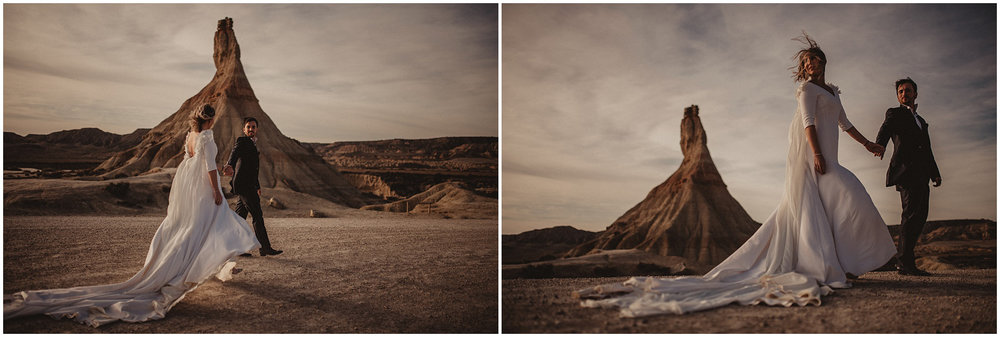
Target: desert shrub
<point>537,271</point>
<point>547,257</point>
<point>119,190</point>
<point>605,271</point>
<point>128,204</point>
<point>651,269</point>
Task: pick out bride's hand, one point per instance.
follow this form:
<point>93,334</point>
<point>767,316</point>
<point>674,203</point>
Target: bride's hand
<point>875,148</point>
<point>820,163</point>
<point>218,198</point>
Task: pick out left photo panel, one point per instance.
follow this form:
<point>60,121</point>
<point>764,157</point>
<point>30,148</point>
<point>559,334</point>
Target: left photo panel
<point>245,168</point>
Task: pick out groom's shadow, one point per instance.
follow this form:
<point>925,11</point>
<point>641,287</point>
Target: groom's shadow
<point>923,286</point>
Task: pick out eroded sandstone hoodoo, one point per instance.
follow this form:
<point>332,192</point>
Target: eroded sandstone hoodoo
<point>284,162</point>
<point>691,215</point>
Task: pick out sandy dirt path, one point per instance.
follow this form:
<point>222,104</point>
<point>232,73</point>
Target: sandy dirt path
<point>378,275</point>
<point>881,302</point>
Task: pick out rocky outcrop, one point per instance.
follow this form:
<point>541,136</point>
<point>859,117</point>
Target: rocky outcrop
<point>691,214</point>
<point>442,148</point>
<point>448,198</point>
<point>367,183</point>
<point>399,168</point>
<point>285,163</point>
<point>132,139</point>
<point>467,154</point>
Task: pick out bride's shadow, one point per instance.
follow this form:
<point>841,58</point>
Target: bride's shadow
<point>360,313</point>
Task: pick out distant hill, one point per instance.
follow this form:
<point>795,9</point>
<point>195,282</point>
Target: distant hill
<point>448,153</point>
<point>542,244</point>
<point>78,149</point>
<point>396,169</point>
<point>84,136</point>
<point>944,245</point>
<point>953,230</point>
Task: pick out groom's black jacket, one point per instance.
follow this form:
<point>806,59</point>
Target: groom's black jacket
<point>912,160</point>
<point>245,180</point>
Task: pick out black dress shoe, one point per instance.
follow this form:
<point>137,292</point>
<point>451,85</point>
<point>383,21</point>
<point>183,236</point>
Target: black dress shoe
<point>269,251</point>
<point>246,255</point>
<point>913,271</point>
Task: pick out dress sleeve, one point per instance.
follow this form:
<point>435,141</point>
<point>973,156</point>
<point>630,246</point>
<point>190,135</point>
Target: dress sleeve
<point>845,124</point>
<point>211,151</point>
<point>807,104</point>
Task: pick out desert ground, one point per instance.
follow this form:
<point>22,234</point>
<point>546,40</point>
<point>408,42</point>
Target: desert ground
<point>952,301</point>
<point>371,273</point>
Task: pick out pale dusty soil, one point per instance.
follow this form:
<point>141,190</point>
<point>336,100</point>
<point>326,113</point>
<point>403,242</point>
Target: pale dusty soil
<point>955,301</point>
<point>337,275</point>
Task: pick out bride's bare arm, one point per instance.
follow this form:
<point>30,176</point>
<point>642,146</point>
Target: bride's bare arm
<point>213,176</point>
<point>817,153</point>
<point>872,147</point>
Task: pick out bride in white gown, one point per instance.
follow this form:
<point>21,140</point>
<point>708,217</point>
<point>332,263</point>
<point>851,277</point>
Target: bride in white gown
<point>824,230</point>
<point>198,239</point>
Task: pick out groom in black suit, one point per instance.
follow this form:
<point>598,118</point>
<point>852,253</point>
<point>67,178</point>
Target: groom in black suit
<point>245,183</point>
<point>911,168</point>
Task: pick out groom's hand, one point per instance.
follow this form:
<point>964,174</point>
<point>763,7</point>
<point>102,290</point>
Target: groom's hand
<point>875,148</point>
<point>937,181</point>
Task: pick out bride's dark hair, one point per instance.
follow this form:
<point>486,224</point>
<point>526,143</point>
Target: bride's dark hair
<point>200,116</point>
<point>799,73</point>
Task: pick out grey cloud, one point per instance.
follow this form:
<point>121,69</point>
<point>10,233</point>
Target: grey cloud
<point>430,70</point>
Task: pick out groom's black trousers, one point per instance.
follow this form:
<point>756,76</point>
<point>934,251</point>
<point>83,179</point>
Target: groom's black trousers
<point>250,203</point>
<point>915,198</point>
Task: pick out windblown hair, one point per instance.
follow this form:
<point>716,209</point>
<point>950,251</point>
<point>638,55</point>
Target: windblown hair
<point>200,116</point>
<point>812,48</point>
<point>905,80</point>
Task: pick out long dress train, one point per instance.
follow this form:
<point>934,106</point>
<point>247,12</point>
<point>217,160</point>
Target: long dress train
<point>196,240</point>
<point>823,227</point>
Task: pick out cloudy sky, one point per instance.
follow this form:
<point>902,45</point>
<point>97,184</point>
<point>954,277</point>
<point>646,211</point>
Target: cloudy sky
<point>322,72</point>
<point>593,96</point>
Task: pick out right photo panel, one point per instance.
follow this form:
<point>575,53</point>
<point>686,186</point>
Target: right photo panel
<point>743,168</point>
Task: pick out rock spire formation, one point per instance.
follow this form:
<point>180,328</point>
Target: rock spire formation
<point>284,162</point>
<point>691,215</point>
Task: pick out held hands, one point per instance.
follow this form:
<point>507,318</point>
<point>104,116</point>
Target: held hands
<point>820,163</point>
<point>227,171</point>
<point>875,148</point>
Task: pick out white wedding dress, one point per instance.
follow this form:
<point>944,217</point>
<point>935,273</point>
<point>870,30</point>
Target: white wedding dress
<point>196,240</point>
<point>823,227</point>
